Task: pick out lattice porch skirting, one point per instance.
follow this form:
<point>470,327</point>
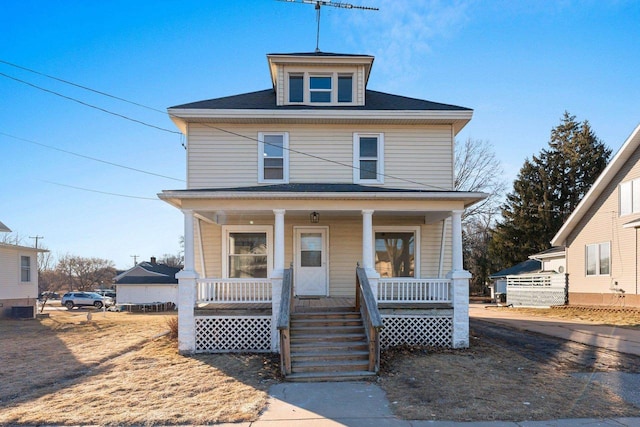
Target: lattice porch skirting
<point>404,329</point>
<point>218,334</point>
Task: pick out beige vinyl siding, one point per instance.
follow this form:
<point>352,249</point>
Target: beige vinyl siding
<point>212,248</point>
<point>219,159</point>
<point>601,224</point>
<point>414,157</point>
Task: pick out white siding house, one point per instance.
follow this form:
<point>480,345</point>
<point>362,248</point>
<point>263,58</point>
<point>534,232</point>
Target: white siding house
<point>289,189</point>
<point>18,280</point>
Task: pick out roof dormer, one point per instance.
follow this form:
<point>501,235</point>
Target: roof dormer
<point>319,79</point>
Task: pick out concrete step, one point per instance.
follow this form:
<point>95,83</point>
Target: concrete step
<point>331,376</point>
<point>329,365</point>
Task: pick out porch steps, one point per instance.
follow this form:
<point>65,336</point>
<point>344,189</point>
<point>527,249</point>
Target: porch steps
<point>328,345</point>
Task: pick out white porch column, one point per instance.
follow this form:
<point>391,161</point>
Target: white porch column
<point>368,250</point>
<point>187,279</point>
<point>456,240</point>
<point>459,285</point>
<point>276,276</point>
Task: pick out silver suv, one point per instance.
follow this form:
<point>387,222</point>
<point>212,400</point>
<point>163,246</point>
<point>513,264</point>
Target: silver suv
<point>79,299</point>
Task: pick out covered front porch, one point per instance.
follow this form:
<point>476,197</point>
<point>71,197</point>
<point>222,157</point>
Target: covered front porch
<point>404,248</point>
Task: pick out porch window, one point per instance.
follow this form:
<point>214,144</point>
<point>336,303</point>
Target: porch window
<point>273,157</point>
<point>368,162</point>
<point>598,259</point>
<point>25,269</point>
<point>247,255</point>
<point>395,253</point>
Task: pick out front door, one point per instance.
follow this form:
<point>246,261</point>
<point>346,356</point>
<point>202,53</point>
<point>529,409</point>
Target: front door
<point>310,275</point>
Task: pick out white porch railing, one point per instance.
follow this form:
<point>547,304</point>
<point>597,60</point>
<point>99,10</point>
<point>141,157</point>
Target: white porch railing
<point>410,290</point>
<point>232,291</point>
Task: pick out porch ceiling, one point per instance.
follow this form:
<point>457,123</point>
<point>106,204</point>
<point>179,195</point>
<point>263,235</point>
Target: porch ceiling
<point>266,216</point>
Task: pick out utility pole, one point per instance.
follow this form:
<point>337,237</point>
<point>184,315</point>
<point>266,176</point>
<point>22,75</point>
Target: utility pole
<point>36,237</point>
<point>135,259</point>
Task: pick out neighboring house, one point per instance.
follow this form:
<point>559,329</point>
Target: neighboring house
<point>147,283</point>
<point>320,173</point>
<point>18,279</point>
<point>499,279</point>
<point>601,235</point>
<point>537,282</point>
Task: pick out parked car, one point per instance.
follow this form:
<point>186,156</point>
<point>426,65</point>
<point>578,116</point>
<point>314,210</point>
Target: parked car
<point>106,292</point>
<point>80,299</point>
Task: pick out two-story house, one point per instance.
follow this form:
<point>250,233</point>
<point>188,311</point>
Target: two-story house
<point>319,196</point>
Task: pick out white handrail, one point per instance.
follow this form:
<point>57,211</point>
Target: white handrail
<point>234,290</point>
<point>410,290</point>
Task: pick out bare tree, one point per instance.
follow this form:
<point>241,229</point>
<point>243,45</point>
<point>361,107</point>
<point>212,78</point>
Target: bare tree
<point>478,169</point>
<point>85,274</point>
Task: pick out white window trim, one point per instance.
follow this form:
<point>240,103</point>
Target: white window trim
<point>633,196</point>
<point>402,228</point>
<point>285,158</point>
<point>306,86</point>
<point>356,158</point>
<point>20,256</point>
<point>586,260</point>
<point>226,229</point>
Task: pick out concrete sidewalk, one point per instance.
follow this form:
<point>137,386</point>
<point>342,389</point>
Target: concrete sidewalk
<point>623,340</point>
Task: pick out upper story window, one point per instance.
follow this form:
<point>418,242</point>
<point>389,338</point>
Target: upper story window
<point>598,259</point>
<point>25,269</point>
<point>296,88</point>
<point>345,88</point>
<point>273,157</point>
<point>321,88</point>
<point>368,161</point>
<point>630,197</point>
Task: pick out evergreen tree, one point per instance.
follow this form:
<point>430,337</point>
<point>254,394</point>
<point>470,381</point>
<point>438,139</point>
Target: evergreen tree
<point>548,188</point>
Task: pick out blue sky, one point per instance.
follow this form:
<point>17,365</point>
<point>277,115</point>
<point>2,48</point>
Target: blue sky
<point>519,65</point>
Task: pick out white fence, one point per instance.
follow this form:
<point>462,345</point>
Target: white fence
<point>536,290</point>
<point>409,290</point>
<point>234,291</point>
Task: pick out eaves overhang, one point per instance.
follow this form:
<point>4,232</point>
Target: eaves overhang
<point>598,187</point>
<point>176,197</point>
<point>457,119</point>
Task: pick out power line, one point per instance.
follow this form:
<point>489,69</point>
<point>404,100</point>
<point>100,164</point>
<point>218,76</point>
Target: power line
<point>90,105</point>
<point>36,237</point>
<point>81,86</point>
<point>101,192</point>
<point>90,158</point>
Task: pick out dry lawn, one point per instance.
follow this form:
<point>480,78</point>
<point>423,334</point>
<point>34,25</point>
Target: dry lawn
<point>613,316</point>
<point>120,369</point>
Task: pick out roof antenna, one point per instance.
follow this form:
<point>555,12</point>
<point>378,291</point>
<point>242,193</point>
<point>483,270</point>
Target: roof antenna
<point>319,3</point>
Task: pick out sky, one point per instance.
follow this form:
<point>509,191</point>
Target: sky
<point>83,170</point>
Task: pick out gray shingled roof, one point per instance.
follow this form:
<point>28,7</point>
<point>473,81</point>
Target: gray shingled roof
<point>528,266</point>
<point>164,274</point>
<point>266,100</point>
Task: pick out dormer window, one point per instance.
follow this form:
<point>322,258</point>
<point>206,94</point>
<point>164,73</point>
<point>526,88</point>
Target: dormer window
<point>345,88</point>
<point>296,88</point>
<point>320,89</point>
<point>326,88</point>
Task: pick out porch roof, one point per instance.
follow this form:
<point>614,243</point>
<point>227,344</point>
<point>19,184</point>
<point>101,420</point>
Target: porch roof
<point>319,191</point>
